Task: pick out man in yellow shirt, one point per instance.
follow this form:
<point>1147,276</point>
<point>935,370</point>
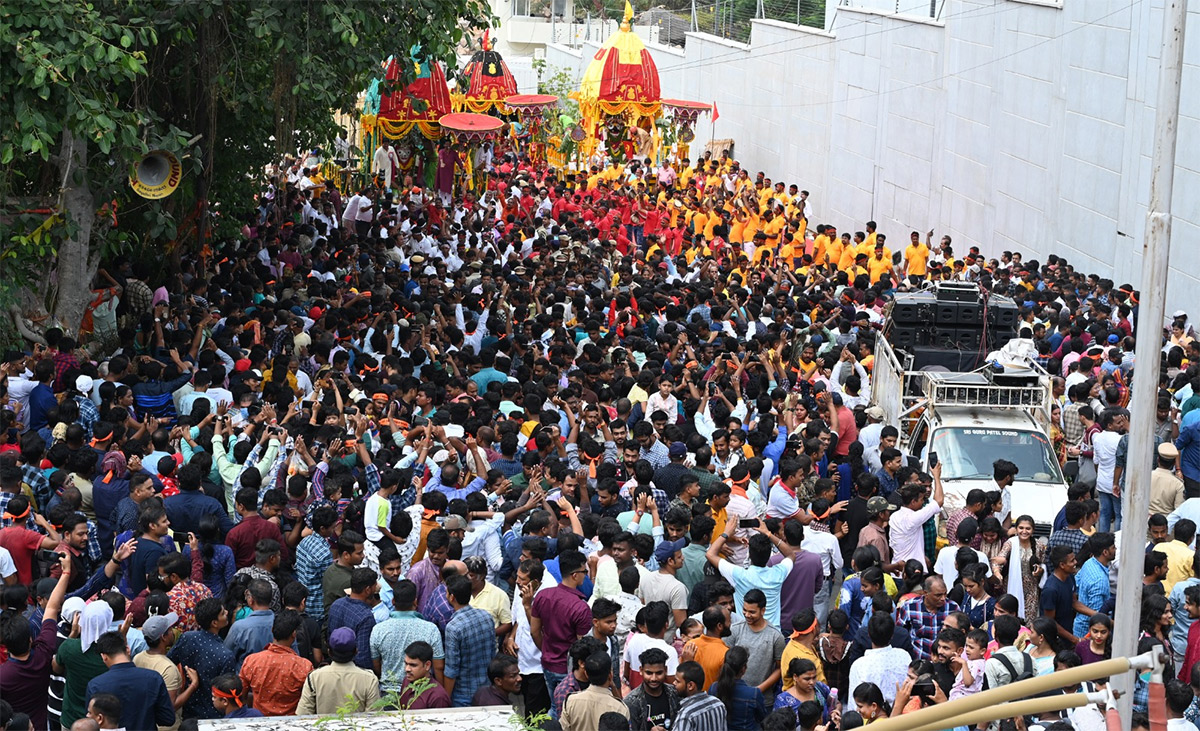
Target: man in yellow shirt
<point>823,244</point>
<point>858,267</point>
<point>916,258</point>
<point>763,254</point>
<point>782,196</point>
<point>833,249</point>
<point>850,253</point>
<point>870,235</point>
<point>689,172</point>
<point>881,262</point>
<point>773,226</point>
<point>713,181</point>
<point>695,249</point>
<point>765,194</point>
<point>737,227</point>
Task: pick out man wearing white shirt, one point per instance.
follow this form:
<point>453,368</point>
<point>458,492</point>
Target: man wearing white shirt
<point>782,502</point>
<point>358,214</point>
<point>1005,473</point>
<point>883,665</point>
<point>907,534</point>
<point>1104,452</point>
<point>534,579</point>
<point>216,389</point>
<point>819,541</point>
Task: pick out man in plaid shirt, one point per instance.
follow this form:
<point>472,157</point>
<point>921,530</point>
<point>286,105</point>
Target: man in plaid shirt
<point>1071,536</point>
<point>32,449</point>
<point>926,615</point>
<point>1073,428</point>
<point>313,556</point>
<point>470,644</point>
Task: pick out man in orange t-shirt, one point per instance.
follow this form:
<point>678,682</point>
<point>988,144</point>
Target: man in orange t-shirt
<point>709,648</point>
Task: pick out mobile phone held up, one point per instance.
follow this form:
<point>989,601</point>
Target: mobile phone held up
<point>933,460</point>
<point>748,523</point>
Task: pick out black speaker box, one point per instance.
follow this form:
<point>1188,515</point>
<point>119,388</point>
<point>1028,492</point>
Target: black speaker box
<point>967,338</point>
<point>1002,312</point>
<point>957,292</point>
<point>970,313</point>
<point>905,337</point>
<point>916,308</point>
<point>957,361</point>
<point>946,313</point>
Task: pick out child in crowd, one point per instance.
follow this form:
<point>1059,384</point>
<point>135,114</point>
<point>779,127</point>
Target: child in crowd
<point>969,665</point>
<point>835,651</point>
<point>630,602</point>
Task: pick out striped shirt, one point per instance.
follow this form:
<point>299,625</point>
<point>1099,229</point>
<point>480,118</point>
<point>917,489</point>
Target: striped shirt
<point>701,712</point>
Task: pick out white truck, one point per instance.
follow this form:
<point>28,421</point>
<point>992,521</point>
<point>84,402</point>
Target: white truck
<point>970,420</point>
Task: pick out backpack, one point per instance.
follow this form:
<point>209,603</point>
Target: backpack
<point>1026,668</point>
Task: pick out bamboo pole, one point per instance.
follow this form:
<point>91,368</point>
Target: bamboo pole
<point>1030,706</point>
<point>980,701</point>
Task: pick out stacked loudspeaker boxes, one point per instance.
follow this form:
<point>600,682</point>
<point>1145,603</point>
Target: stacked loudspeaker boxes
<point>952,316</point>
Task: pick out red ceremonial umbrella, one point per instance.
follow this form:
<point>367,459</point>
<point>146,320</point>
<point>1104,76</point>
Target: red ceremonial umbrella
<point>471,128</point>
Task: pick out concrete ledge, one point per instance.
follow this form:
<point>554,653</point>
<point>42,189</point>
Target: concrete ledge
<point>897,16</point>
<point>710,38</point>
<point>784,25</point>
<point>558,47</point>
<point>1056,4</point>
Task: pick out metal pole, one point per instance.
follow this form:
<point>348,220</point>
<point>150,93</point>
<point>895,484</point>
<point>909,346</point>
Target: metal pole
<point>1155,256</point>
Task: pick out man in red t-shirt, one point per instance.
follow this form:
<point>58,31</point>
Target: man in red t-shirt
<point>23,543</point>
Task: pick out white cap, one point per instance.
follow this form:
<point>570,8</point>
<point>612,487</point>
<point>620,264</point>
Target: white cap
<point>84,384</point>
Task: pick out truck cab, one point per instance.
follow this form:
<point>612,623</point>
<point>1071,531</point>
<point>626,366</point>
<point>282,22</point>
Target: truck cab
<point>969,420</point>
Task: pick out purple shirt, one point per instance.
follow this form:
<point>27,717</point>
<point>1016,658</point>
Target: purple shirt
<point>24,683</point>
<point>427,577</point>
<point>565,618</point>
<point>800,586</point>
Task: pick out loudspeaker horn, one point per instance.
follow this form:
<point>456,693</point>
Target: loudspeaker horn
<point>156,175</point>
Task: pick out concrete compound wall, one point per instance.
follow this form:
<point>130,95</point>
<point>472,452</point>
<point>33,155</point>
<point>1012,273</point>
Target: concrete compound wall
<point>1022,125</point>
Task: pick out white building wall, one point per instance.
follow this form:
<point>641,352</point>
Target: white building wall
<point>1022,125</point>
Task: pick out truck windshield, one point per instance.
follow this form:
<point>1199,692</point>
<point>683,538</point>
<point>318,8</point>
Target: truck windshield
<point>968,453</point>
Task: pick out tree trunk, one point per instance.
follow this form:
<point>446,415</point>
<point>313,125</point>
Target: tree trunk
<point>77,263</point>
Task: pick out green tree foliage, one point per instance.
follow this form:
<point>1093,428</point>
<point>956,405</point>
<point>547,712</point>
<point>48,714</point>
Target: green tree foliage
<point>225,85</point>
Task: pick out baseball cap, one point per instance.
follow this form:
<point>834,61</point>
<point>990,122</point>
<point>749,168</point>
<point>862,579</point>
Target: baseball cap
<point>877,505</point>
<point>342,640</point>
<point>255,373</point>
<point>45,587</point>
<point>875,412</point>
<point>677,449</point>
<point>667,549</point>
<point>156,626</point>
<point>1114,339</point>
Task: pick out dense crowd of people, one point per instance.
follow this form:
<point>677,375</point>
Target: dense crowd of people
<point>597,446</point>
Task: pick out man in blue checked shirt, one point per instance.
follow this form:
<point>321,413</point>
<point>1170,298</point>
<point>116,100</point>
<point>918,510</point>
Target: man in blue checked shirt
<point>1091,582</point>
<point>470,644</point>
<point>353,611</point>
